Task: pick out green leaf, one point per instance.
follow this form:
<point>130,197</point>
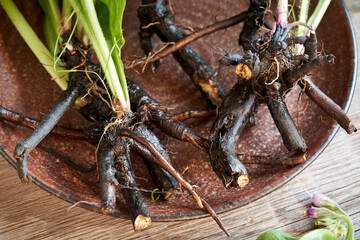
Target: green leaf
<point>32,40</point>
<point>275,235</point>
<point>110,15</point>
<point>319,234</point>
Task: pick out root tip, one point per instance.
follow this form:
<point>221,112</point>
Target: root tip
<point>141,222</point>
<point>26,179</point>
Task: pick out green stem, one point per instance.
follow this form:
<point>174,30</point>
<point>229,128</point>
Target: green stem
<point>350,226</point>
<point>318,14</point>
<point>303,16</point>
<point>282,12</point>
<point>32,40</point>
<point>87,14</point>
<point>343,216</point>
<point>51,22</point>
<point>66,10</point>
<point>51,10</point>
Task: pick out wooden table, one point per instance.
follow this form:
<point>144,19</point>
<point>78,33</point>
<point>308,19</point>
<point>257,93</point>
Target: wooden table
<point>28,212</point>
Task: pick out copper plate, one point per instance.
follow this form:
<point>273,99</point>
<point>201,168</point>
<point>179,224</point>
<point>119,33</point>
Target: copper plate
<point>27,88</point>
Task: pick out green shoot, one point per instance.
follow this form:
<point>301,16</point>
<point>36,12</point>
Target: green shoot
<point>110,17</point>
<point>57,59</point>
<point>314,20</point>
<point>303,16</point>
<point>88,17</point>
<point>318,14</point>
<point>102,27</point>
<point>33,41</point>
<point>292,10</point>
<point>152,195</point>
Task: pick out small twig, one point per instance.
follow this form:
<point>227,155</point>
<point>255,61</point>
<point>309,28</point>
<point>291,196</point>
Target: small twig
<point>79,202</point>
<point>196,35</point>
<point>193,114</point>
<point>215,217</point>
<point>277,72</point>
<point>150,24</point>
<point>19,119</point>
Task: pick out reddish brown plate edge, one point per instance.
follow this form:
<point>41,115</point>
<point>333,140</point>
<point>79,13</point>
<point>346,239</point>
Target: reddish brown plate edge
<point>232,205</point>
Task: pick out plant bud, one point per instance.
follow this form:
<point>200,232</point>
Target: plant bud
<point>325,221</point>
<point>318,213</point>
<point>320,200</point>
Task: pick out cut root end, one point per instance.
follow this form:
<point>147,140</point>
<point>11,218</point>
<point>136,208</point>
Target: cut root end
<point>243,71</point>
<point>351,129</point>
<point>107,209</point>
<point>242,181</point>
<point>26,179</point>
<point>141,222</point>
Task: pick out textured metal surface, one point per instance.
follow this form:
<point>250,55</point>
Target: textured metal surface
<point>26,88</point>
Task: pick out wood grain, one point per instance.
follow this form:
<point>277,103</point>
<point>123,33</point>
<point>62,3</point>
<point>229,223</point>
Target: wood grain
<point>28,212</point>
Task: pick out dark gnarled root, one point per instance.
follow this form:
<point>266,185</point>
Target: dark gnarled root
<point>64,103</point>
<point>115,168</point>
<point>161,176</point>
<point>291,137</point>
<point>105,159</point>
<point>291,77</point>
<point>134,199</point>
<point>291,160</point>
<point>249,33</point>
<point>161,161</point>
<point>157,11</point>
<point>152,112</point>
<point>19,119</point>
<point>232,117</point>
<point>316,95</point>
<point>328,105</point>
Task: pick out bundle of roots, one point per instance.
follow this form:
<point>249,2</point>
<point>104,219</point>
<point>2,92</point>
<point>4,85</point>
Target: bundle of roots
<point>266,73</point>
